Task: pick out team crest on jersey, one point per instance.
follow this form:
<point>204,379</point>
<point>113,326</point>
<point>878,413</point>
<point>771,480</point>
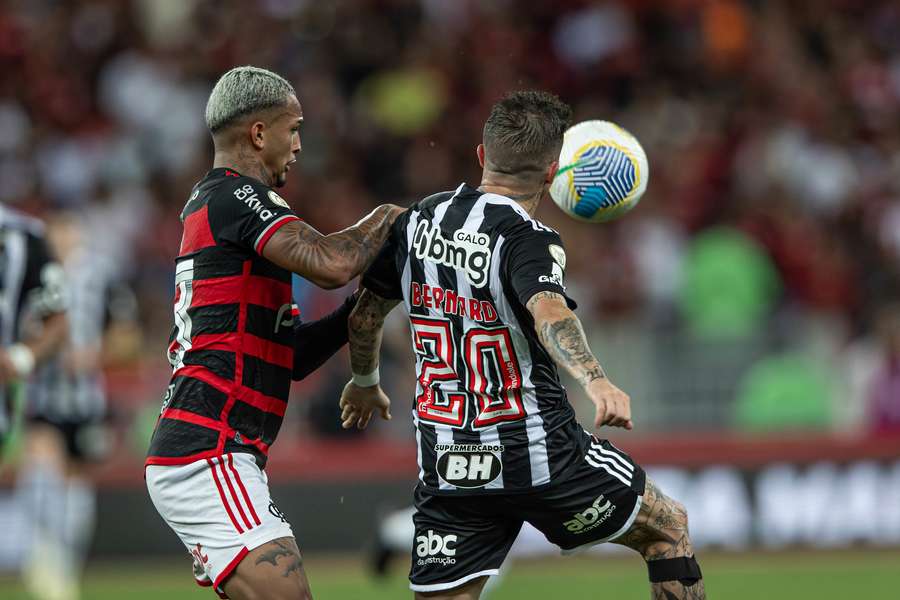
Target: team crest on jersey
<point>278,199</point>
<point>558,254</point>
<point>467,251</point>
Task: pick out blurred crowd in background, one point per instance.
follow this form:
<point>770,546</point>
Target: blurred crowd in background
<point>754,288</point>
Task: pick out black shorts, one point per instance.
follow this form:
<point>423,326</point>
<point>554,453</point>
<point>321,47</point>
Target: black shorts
<point>86,439</point>
<point>460,538</point>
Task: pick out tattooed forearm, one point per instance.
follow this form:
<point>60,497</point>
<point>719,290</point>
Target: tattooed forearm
<point>366,325</point>
<point>354,247</point>
<point>331,260</point>
<point>564,339</point>
<point>561,334</point>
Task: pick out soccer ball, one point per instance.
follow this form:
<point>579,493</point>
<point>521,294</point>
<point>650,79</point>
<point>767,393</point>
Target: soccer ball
<point>603,172</point>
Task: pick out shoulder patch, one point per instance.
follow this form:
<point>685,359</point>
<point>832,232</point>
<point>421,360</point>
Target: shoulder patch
<point>558,254</point>
<point>278,199</point>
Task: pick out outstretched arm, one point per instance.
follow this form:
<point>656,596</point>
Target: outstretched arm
<point>330,261</point>
<point>363,395</point>
<point>317,341</point>
<point>561,334</point>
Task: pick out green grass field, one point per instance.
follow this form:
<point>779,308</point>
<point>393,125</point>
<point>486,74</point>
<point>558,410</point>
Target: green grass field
<point>863,575</point>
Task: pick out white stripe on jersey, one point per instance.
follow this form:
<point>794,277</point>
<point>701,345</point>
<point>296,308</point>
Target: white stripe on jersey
<point>406,278</point>
<point>491,435</point>
<point>415,417</point>
<point>534,423</point>
<point>444,433</point>
<point>600,465</point>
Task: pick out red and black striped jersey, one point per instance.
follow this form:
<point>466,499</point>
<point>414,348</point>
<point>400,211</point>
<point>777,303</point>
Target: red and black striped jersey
<point>231,348</point>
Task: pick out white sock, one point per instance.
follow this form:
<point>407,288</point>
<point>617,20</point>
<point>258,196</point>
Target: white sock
<point>41,489</point>
<point>79,518</point>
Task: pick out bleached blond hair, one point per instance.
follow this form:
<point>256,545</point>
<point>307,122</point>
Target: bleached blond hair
<point>243,91</point>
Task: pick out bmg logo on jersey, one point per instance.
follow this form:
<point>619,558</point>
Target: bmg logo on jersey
<point>468,251</point>
<point>433,548</point>
<point>591,517</point>
<point>469,465</point>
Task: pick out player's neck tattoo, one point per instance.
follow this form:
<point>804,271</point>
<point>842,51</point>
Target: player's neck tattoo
<point>244,161</point>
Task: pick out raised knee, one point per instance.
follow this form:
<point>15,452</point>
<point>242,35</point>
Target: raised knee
<point>680,514</point>
<point>670,536</point>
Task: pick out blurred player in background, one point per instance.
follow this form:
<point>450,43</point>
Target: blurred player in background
<point>498,443</point>
<point>31,291</point>
<point>235,348</point>
<point>66,411</point>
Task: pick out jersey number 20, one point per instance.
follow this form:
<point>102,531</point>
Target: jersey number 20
<point>492,375</point>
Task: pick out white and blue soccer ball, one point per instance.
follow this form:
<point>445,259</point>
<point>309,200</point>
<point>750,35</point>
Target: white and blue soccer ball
<point>603,172</point>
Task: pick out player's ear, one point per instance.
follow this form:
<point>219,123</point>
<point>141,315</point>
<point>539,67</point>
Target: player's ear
<point>257,135</point>
<point>552,170</point>
<point>480,152</point>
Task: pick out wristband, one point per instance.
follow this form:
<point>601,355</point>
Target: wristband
<point>22,359</point>
<point>366,380</point>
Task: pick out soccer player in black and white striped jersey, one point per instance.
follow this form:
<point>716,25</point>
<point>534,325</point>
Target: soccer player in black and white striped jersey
<point>66,412</point>
<point>31,289</point>
<point>33,323</point>
<point>498,443</point>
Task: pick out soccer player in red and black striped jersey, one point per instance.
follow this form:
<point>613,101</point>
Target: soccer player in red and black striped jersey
<point>236,344</point>
<point>492,324</point>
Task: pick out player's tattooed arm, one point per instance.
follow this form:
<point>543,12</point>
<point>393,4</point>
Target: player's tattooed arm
<point>331,261</point>
<point>563,337</point>
<point>365,328</point>
<point>561,334</point>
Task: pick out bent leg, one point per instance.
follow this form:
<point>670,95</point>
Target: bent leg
<point>660,534</point>
<point>467,591</point>
<point>274,571</point>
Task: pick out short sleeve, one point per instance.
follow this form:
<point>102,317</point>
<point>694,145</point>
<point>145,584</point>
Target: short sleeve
<point>248,214</point>
<point>383,275</point>
<point>536,262</point>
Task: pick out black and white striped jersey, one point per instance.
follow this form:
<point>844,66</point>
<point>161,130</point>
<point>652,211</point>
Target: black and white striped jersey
<point>96,298</point>
<point>31,284</point>
<point>490,412</point>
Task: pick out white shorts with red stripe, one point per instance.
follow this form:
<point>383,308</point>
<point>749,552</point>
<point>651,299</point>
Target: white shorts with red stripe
<point>220,508</point>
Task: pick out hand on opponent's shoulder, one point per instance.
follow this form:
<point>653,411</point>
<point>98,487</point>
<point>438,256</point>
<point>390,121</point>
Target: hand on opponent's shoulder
<point>331,261</point>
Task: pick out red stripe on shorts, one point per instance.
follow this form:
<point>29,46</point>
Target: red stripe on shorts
<point>234,496</point>
<point>212,467</point>
<point>237,477</point>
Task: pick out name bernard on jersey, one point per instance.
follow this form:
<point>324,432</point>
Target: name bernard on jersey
<point>468,251</point>
<point>469,465</point>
